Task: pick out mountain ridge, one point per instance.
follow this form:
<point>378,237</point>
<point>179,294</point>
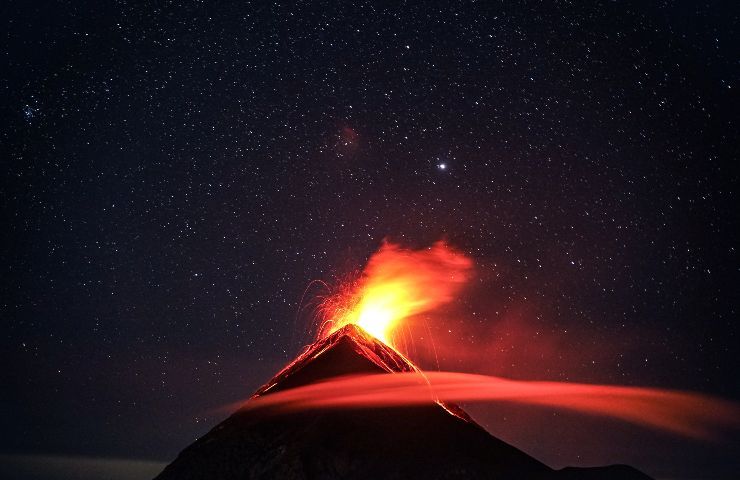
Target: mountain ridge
<point>435,441</point>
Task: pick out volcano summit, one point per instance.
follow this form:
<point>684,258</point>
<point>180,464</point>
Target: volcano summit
<point>434,441</point>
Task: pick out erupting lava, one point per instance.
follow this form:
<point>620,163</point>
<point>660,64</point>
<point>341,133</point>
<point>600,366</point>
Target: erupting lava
<point>389,418</point>
<point>355,364</point>
<point>395,285</point>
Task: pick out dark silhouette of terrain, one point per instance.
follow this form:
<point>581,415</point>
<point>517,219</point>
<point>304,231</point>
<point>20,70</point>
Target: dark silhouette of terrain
<point>438,441</point>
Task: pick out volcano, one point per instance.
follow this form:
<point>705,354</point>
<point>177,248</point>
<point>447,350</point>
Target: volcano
<point>435,441</point>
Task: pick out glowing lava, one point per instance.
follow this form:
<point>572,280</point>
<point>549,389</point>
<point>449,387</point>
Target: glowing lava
<point>396,284</point>
<point>361,322</point>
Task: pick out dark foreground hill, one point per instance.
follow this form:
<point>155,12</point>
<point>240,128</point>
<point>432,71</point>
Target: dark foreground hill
<point>428,442</point>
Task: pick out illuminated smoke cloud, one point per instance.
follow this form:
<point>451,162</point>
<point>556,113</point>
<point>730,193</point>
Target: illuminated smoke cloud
<point>685,413</point>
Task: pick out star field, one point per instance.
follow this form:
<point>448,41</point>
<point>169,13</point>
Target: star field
<point>176,175</point>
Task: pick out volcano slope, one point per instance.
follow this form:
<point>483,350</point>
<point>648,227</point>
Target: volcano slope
<point>437,441</point>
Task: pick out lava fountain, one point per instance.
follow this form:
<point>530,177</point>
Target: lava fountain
<point>399,283</point>
<point>396,284</point>
<point>352,401</point>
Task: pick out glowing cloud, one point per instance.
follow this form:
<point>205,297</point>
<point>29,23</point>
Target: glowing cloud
<point>686,413</point>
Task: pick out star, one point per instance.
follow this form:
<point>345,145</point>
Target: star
<point>29,112</point>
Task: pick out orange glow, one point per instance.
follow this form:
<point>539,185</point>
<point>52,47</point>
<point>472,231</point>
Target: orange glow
<point>396,284</point>
<point>686,413</point>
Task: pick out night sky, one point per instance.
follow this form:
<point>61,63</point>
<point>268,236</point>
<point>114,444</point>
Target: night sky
<point>176,175</point>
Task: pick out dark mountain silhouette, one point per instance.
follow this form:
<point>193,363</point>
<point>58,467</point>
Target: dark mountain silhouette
<point>438,441</point>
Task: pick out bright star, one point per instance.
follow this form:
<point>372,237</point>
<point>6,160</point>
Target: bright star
<point>442,166</point>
